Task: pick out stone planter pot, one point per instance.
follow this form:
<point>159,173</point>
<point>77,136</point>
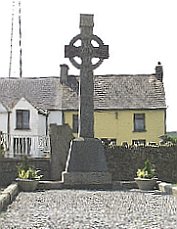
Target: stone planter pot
<point>145,183</point>
<point>27,185</point>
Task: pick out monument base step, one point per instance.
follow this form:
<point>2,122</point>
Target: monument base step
<point>115,185</point>
<point>99,187</point>
<point>47,185</point>
<point>86,178</point>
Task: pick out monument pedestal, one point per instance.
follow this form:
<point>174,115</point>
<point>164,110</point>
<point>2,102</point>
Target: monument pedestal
<point>86,164</point>
<point>86,178</point>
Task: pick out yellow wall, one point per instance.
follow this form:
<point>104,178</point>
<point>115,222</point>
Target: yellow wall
<point>119,125</point>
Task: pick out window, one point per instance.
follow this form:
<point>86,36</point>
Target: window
<point>139,122</point>
<point>139,142</point>
<point>109,141</point>
<point>22,119</point>
<point>75,123</point>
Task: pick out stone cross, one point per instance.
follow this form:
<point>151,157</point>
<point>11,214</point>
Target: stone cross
<point>86,52</point>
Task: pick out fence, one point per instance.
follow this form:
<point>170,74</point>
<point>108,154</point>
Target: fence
<point>19,145</point>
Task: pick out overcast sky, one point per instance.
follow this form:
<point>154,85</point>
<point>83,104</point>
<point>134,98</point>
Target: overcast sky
<point>139,34</point>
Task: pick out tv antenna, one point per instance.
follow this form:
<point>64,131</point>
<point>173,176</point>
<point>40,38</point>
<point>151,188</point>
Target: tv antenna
<point>14,5</point>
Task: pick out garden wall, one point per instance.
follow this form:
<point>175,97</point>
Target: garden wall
<point>8,168</point>
<point>50,168</point>
<point>123,163</point>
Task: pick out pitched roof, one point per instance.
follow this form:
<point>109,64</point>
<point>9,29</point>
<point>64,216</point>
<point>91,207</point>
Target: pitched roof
<point>121,92</point>
<point>111,92</point>
<point>43,93</point>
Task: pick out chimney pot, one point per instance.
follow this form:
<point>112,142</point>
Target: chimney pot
<point>159,71</point>
<point>64,73</point>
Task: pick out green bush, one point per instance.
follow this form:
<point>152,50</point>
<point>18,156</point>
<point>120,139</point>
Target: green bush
<point>25,171</point>
<point>147,172</point>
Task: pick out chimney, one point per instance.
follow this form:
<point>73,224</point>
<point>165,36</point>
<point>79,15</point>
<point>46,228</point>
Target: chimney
<point>159,72</point>
<point>64,73</point>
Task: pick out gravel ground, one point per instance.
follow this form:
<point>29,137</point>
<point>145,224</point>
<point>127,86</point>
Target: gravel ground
<point>83,209</point>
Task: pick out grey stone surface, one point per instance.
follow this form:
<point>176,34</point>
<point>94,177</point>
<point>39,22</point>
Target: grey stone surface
<point>174,190</point>
<point>165,187</point>
<point>168,188</point>
<point>86,52</point>
<point>86,163</point>
<point>87,178</point>
<point>86,155</point>
<point>60,139</point>
<point>7,195</point>
<point>70,209</point>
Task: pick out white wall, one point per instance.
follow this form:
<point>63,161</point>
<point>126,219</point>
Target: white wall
<point>55,117</point>
<point>41,125</point>
<point>3,118</point>
<point>23,104</point>
<point>2,108</point>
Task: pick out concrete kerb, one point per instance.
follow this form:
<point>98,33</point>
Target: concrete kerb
<point>168,188</point>
<point>8,195</point>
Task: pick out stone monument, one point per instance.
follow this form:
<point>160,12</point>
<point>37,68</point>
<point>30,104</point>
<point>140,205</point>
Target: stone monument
<point>86,162</point>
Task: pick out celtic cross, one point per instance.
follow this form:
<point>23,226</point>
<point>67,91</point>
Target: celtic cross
<point>86,52</point>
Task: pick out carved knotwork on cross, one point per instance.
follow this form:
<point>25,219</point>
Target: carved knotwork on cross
<point>86,52</point>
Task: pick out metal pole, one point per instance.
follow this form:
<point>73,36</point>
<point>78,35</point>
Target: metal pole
<point>20,38</point>
<point>11,38</point>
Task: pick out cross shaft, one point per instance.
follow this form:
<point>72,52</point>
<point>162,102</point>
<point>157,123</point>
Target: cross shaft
<point>86,86</point>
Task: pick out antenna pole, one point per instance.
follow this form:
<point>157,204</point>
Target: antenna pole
<point>11,38</point>
<point>20,39</point>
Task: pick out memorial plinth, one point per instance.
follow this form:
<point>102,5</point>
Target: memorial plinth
<point>86,162</point>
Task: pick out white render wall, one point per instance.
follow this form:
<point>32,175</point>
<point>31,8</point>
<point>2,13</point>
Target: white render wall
<point>23,104</point>
<point>3,119</point>
<point>3,122</point>
<point>55,117</point>
<point>41,125</point>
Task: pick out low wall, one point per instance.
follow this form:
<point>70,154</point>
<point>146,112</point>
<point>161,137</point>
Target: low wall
<point>50,168</point>
<point>8,169</point>
<point>123,163</point>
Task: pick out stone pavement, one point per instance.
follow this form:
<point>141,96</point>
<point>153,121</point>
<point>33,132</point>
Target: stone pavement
<point>82,209</point>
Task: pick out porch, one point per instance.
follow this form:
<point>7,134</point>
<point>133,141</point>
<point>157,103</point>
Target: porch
<point>33,146</point>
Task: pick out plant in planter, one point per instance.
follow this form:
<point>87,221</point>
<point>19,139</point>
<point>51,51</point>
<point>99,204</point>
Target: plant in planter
<point>146,179</point>
<point>28,177</point>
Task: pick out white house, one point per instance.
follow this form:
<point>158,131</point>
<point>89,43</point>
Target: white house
<point>27,107</point>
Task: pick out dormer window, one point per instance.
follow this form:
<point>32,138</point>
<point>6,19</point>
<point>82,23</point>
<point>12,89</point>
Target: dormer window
<point>22,119</point>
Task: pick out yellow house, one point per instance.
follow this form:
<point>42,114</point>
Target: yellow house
<point>129,109</point>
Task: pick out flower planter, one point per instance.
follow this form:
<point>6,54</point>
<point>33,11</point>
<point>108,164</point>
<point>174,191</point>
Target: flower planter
<point>27,185</point>
<point>145,183</point>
